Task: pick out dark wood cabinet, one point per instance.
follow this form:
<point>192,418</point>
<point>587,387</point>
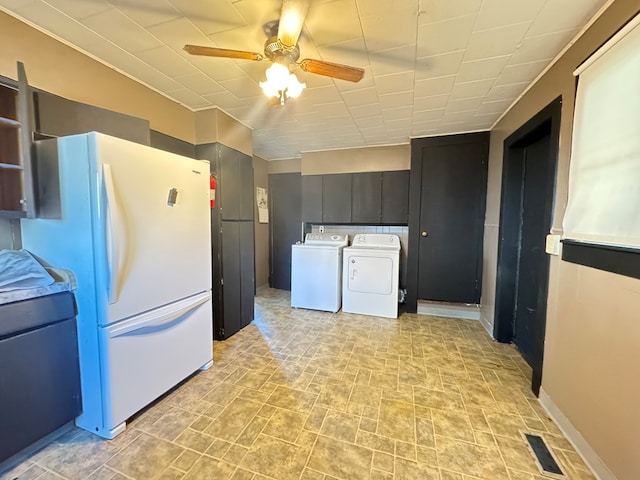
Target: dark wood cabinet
<point>366,198</point>
<point>234,190</point>
<point>237,279</point>
<point>40,387</point>
<point>312,198</point>
<point>16,118</point>
<point>395,197</point>
<point>336,198</point>
<point>232,237</point>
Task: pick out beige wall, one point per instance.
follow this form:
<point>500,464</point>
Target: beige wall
<point>592,354</point>
<point>289,165</point>
<point>214,125</point>
<point>261,179</point>
<point>353,160</point>
<point>59,69</point>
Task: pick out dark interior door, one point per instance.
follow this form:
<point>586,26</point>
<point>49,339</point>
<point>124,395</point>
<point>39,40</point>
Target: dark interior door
<point>532,262</point>
<point>285,194</point>
<point>451,221</point>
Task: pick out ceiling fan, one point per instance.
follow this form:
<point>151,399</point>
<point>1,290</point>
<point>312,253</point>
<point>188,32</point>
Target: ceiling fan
<point>281,47</point>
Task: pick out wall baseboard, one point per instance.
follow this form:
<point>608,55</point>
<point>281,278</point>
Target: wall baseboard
<point>487,325</point>
<point>449,310</point>
<point>588,454</point>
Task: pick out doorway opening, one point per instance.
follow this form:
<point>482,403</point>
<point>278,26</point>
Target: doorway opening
<point>526,214</point>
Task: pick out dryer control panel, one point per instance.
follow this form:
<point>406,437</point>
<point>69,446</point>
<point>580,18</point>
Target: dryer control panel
<point>376,240</point>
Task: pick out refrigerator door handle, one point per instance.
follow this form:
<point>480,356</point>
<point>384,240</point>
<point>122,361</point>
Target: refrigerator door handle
<point>113,232</point>
<point>156,319</point>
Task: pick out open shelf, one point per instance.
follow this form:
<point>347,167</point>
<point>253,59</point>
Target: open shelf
<point>16,189</point>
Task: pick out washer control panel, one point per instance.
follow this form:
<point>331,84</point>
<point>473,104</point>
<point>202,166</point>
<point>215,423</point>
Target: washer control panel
<point>326,239</point>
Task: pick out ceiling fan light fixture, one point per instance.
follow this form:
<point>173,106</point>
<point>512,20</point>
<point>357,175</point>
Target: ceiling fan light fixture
<point>281,83</point>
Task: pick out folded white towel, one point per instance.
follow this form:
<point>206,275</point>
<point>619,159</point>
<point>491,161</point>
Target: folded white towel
<point>19,270</point>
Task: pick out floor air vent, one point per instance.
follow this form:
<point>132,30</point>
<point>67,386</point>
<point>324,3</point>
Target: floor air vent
<point>543,455</point>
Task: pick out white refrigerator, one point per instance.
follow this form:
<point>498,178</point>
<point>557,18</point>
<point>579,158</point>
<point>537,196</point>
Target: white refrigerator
<point>133,224</point>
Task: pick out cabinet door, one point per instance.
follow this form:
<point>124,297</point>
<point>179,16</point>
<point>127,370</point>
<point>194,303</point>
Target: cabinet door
<point>245,171</point>
<point>247,269</point>
<point>336,198</point>
<point>312,198</point>
<point>17,198</point>
<point>395,197</point>
<point>228,186</point>
<point>366,197</point>
<point>231,320</point>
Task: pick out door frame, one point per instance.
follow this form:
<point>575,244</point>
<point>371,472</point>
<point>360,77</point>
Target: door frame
<point>547,121</point>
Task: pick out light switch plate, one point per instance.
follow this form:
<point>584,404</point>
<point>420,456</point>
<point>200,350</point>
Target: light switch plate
<point>553,245</point>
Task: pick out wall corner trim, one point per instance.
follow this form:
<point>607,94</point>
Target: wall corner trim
<point>488,326</point>
<point>588,454</point>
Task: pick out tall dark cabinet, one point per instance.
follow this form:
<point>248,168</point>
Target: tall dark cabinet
<point>232,238</point>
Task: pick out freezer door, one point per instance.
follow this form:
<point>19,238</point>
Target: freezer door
<point>154,226</point>
<point>148,354</point>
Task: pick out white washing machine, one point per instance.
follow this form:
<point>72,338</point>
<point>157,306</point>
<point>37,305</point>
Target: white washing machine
<point>316,272</point>
<point>371,271</point>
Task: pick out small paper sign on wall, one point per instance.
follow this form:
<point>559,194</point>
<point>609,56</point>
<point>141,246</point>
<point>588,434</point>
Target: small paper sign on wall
<point>263,205</point>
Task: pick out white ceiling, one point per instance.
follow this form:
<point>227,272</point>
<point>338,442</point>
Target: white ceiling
<point>431,66</point>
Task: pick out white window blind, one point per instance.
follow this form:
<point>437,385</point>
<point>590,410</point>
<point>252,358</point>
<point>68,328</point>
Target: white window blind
<point>604,176</point>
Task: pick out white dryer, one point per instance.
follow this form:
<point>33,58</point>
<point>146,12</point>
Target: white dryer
<point>316,272</point>
<point>371,271</point>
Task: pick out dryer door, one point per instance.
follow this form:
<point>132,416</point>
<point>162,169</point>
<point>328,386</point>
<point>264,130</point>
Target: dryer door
<point>367,274</point>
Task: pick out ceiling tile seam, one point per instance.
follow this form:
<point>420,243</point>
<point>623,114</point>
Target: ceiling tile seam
<point>91,55</point>
<point>477,14</point>
<point>415,61</point>
<point>555,59</point>
<point>194,66</point>
<point>233,5</point>
<point>364,39</point>
<point>203,34</point>
<point>138,80</point>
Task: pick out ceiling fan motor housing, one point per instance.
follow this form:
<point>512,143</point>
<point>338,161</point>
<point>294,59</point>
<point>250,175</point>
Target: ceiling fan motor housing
<point>277,52</point>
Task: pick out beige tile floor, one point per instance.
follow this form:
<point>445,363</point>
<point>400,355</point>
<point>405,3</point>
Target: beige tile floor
<point>307,395</point>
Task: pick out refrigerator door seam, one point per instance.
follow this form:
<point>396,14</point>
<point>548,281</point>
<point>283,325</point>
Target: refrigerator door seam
<point>153,319</point>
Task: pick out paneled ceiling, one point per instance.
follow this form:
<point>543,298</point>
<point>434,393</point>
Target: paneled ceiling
<point>431,66</point>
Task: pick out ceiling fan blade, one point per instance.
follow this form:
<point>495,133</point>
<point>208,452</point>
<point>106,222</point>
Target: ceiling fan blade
<point>291,20</point>
<point>334,70</point>
<point>222,52</point>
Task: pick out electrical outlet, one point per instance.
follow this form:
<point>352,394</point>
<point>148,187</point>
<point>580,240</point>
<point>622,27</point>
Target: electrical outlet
<point>321,228</point>
<point>552,246</point>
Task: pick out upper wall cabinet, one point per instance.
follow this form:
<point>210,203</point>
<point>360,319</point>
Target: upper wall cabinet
<point>336,198</point>
<point>16,184</point>
<point>312,198</point>
<point>366,197</point>
<point>235,184</point>
<point>395,197</point>
<point>369,198</point>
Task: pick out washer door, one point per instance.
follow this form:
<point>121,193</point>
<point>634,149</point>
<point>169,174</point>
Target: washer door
<point>369,274</point>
